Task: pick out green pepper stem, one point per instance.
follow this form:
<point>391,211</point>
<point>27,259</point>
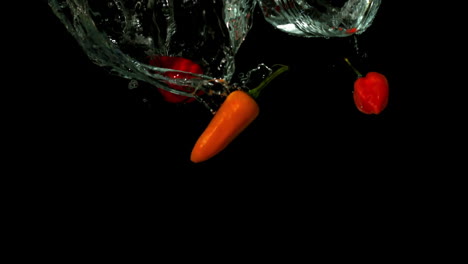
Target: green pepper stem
<point>255,92</point>
<point>354,68</point>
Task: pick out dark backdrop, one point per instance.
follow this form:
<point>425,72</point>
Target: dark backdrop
<point>98,164</point>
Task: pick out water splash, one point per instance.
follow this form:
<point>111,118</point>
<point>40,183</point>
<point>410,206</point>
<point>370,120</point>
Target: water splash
<point>320,18</point>
<point>255,76</point>
<point>122,35</point>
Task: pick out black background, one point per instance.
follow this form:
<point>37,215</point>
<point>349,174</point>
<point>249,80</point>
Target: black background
<point>78,117</point>
<point>94,161</point>
<point>93,166</point>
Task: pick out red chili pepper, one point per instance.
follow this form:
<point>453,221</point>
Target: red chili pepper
<point>370,92</point>
<point>180,64</point>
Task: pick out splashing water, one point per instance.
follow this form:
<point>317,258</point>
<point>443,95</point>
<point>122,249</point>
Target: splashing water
<point>126,36</point>
<point>123,35</point>
<point>320,18</point>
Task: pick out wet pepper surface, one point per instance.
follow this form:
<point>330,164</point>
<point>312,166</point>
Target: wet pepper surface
<point>180,64</point>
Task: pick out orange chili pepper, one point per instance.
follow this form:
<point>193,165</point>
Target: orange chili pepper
<point>234,115</point>
<point>238,110</point>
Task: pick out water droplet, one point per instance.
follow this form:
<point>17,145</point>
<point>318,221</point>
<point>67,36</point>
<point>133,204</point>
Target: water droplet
<point>133,84</point>
<point>356,46</point>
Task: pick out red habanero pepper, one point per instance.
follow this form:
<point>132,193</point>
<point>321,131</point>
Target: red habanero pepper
<point>180,64</point>
<point>351,30</point>
<point>370,92</point>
